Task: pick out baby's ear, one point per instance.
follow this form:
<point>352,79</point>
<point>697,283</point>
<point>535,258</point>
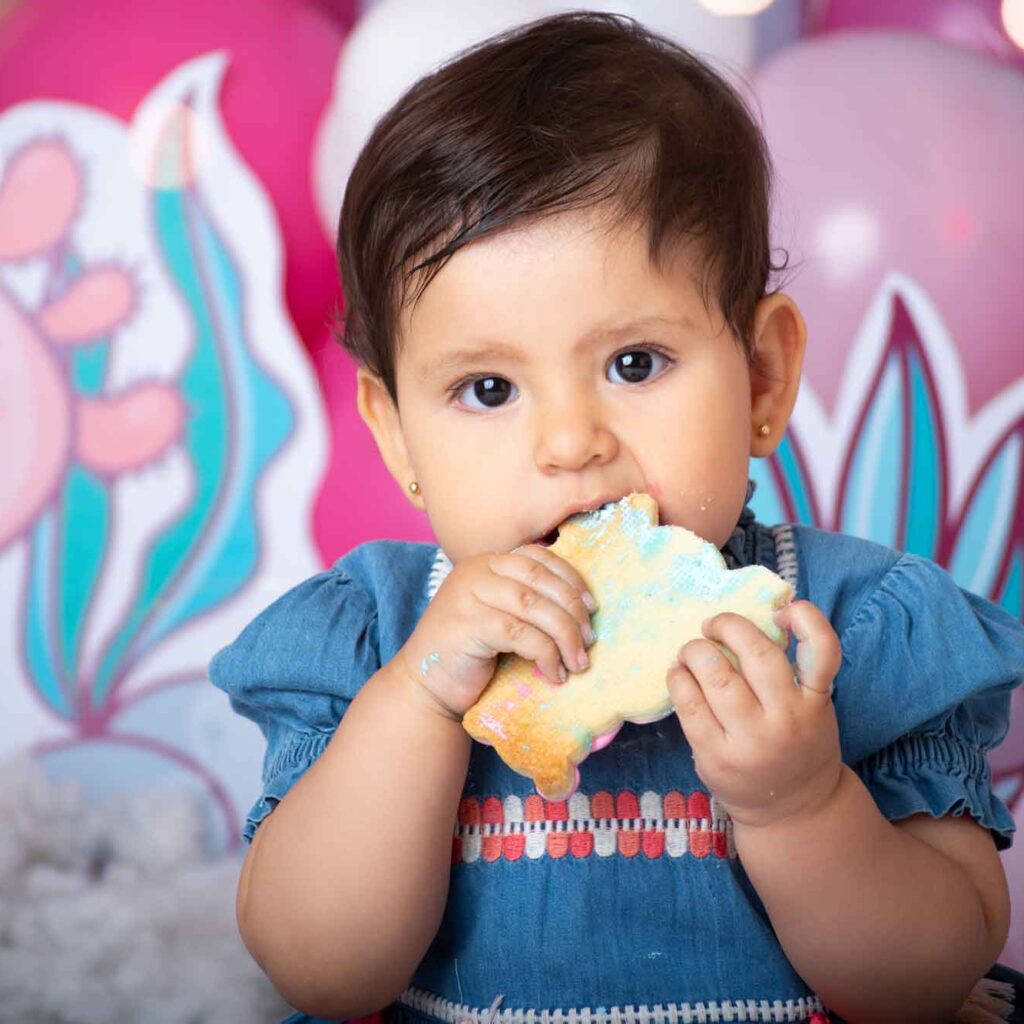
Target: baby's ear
<point>380,414</point>
<point>780,337</point>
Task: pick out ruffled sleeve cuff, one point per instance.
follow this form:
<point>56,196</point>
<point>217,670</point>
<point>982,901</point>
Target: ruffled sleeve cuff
<point>938,774</point>
<point>294,670</point>
<point>286,763</point>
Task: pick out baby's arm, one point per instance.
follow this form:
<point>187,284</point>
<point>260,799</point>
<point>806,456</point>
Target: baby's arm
<point>884,924</point>
<point>345,883</point>
<point>886,921</point>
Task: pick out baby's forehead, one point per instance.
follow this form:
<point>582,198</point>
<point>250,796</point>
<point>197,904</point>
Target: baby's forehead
<point>556,283</point>
<point>588,239</point>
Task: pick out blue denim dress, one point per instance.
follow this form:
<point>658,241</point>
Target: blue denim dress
<point>627,904</point>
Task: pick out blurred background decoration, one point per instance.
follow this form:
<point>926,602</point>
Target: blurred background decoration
<point>179,441</point>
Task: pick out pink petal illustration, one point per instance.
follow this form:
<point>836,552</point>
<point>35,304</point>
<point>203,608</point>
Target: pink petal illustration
<point>96,302</point>
<point>116,434</point>
<point>34,423</point>
<point>39,195</point>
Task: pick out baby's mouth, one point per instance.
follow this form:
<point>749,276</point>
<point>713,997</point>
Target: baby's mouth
<point>545,540</point>
<point>576,508</point>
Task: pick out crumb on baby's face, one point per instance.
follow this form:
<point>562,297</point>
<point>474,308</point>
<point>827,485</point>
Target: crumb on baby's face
<point>554,364</point>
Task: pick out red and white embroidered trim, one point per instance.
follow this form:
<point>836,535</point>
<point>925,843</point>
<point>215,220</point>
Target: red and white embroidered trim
<point>807,1009</point>
<point>653,825</point>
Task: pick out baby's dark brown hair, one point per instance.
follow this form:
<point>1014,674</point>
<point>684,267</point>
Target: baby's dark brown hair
<point>564,113</point>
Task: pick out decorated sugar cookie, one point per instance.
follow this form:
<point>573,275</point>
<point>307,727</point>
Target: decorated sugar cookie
<point>654,586</point>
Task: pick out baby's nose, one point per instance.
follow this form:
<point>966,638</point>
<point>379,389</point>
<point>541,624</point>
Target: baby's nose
<point>572,433</point>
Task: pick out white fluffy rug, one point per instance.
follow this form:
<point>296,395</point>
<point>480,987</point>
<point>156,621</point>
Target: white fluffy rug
<point>113,914</point>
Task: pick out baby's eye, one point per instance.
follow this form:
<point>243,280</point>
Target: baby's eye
<point>636,365</point>
<point>490,392</point>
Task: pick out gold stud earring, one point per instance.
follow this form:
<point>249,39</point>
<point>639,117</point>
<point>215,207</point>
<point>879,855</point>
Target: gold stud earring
<point>764,430</point>
<point>414,488</point>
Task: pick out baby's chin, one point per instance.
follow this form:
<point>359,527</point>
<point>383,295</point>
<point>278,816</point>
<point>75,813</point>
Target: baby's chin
<point>459,550</point>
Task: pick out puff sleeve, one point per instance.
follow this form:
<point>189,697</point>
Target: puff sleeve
<point>294,670</point>
<point>924,692</point>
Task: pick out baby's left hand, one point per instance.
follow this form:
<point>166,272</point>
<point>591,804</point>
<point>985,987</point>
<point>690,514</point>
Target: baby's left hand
<point>765,748</point>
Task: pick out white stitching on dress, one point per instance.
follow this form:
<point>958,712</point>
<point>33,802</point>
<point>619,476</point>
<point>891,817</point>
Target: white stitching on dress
<point>785,550</point>
<point>491,1013</point>
<point>712,1012</point>
<point>438,571</point>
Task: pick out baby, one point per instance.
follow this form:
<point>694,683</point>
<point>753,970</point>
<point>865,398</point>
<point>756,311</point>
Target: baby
<point>556,265</point>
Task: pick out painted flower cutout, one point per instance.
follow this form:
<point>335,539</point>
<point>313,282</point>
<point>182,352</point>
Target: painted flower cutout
<point>150,412</point>
<point>901,462</point>
<point>55,411</point>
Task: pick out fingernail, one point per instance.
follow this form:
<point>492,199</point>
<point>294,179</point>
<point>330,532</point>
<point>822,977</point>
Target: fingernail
<point>562,674</point>
<point>588,600</point>
<point>582,660</point>
<point>588,634</point>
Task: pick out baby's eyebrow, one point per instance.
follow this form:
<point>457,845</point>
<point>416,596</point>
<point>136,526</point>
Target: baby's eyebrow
<point>495,351</point>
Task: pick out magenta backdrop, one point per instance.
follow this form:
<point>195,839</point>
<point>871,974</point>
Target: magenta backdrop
<point>888,163</point>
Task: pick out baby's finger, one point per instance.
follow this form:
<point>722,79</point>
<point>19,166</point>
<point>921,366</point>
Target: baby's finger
<point>560,567</point>
<point>530,604</point>
<point>503,632</point>
<point>551,575</point>
<point>762,662</point>
<point>818,651</point>
<point>698,721</point>
<point>727,692</point>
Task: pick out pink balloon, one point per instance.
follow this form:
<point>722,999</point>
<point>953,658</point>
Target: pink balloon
<point>976,24</point>
<point>900,152</point>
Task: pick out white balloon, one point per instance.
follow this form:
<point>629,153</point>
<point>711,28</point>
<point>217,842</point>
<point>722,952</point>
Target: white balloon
<point>398,41</point>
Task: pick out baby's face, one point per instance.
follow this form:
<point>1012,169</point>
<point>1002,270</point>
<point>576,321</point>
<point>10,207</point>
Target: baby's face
<point>553,368</point>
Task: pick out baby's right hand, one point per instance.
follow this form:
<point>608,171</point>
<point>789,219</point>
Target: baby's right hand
<point>529,602</point>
